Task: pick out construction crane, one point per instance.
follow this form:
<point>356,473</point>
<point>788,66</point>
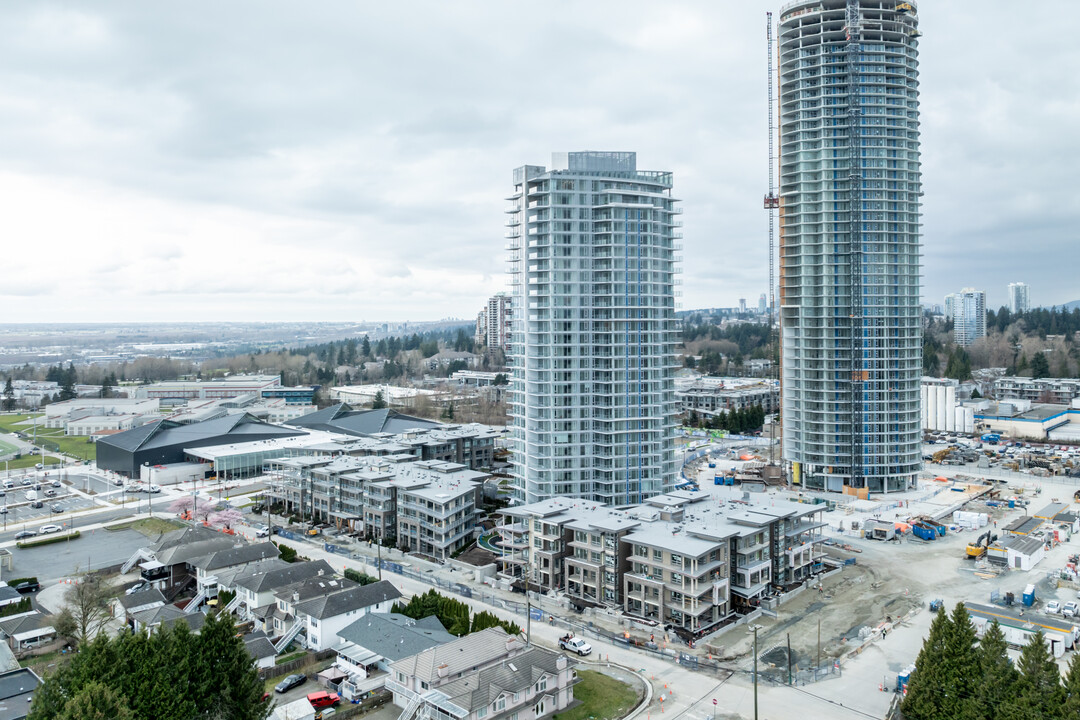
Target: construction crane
<point>772,202</point>
<point>855,326</point>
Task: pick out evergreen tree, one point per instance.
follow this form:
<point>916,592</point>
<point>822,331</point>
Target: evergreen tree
<point>9,395</point>
<point>96,701</point>
<point>365,348</point>
<point>380,402</point>
<point>1071,708</point>
<point>997,676</point>
<point>67,386</point>
<point>961,666</point>
<point>925,687</point>
<point>1039,690</point>
<point>1040,366</point>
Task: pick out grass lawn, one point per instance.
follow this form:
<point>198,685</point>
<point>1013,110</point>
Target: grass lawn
<point>10,423</point>
<point>152,527</point>
<point>602,698</point>
<point>29,461</point>
<point>73,445</point>
<point>7,448</point>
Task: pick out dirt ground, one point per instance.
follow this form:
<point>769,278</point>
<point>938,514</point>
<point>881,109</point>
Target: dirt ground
<point>888,581</point>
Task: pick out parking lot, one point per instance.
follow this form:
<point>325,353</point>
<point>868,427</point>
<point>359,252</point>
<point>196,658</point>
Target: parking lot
<point>55,502</point>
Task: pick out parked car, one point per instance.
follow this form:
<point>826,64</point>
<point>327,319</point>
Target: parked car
<point>152,489</point>
<point>1052,608</point>
<point>3,510</point>
<point>118,481</point>
<point>323,699</point>
<point>575,644</point>
<point>262,531</point>
<point>57,483</point>
<point>57,509</point>
<point>25,588</point>
<point>1070,609</point>
<point>290,682</point>
<point>50,493</point>
<point>24,534</point>
<point>37,504</point>
<point>39,466</point>
<point>137,587</point>
<point>49,529</point>
<point>27,482</point>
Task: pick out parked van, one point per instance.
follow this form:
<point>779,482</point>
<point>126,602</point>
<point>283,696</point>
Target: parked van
<point>31,495</point>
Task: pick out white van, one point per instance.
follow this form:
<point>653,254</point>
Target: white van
<point>31,495</point>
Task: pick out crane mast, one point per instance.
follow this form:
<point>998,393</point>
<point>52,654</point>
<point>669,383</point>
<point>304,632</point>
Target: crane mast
<point>772,202</point>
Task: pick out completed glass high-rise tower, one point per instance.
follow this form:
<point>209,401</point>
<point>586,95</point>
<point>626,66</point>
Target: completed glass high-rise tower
<point>850,187</point>
<point>592,345</point>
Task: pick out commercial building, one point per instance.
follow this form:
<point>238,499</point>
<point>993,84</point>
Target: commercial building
<point>392,395</point>
<point>266,386</point>
<point>110,413</point>
<point>850,187</point>
<point>968,316</point>
<point>164,442</point>
<point>592,350</point>
<point>718,396</point>
<point>682,558</point>
<point>1018,298</point>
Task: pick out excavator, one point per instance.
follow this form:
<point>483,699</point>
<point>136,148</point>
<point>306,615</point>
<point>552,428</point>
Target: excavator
<point>978,548</point>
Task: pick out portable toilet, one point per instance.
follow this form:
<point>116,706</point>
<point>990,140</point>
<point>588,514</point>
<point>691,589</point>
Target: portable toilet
<point>903,677</point>
<point>1029,596</point>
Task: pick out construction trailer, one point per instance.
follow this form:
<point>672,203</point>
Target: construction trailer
<point>879,530</point>
<point>1023,553</point>
<point>1061,633</point>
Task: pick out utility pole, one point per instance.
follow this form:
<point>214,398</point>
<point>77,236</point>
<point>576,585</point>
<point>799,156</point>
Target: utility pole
<point>818,666</point>
<point>528,618</point>
<point>378,544</point>
<point>755,672</point>
<point>789,658</point>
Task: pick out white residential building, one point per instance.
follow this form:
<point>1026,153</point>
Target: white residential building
<point>1018,298</point>
<point>592,350</point>
<point>969,316</point>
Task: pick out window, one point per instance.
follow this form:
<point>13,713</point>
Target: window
<point>482,712</point>
<point>658,555</point>
<point>499,705</point>
<point>541,685</point>
<point>424,684</point>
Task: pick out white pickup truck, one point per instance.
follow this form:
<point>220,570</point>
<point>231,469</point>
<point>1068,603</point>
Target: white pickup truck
<point>575,644</point>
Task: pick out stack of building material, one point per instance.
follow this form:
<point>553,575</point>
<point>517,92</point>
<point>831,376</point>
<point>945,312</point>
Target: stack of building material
<point>969,520</point>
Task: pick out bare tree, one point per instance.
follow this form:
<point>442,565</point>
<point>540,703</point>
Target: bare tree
<point>88,602</point>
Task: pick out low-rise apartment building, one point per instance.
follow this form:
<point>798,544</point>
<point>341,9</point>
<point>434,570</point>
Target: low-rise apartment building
<point>1057,391</point>
<point>718,396</point>
<point>428,506</point>
<point>688,559</point>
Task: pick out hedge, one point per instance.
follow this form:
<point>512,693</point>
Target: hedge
<point>49,540</point>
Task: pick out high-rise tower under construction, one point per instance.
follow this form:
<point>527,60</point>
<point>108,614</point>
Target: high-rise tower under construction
<point>850,187</point>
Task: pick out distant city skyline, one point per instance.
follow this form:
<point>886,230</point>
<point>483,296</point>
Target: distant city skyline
<point>275,175</point>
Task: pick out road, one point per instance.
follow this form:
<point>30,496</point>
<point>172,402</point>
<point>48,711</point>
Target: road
<point>686,694</point>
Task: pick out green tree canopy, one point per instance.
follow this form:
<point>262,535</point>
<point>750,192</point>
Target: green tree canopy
<point>171,675</point>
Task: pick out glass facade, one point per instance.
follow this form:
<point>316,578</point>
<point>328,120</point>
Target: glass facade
<point>850,187</point>
<point>592,345</point>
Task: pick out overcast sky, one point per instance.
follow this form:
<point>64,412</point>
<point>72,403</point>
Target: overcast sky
<point>350,160</point>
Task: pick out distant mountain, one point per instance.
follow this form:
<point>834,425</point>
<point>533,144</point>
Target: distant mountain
<point>1070,306</point>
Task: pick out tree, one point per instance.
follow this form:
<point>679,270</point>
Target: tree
<point>501,379</point>
<point>183,506</point>
<point>96,701</point>
<point>1040,366</point>
<point>1039,690</point>
<point>88,601</point>
<point>961,665</point>
<point>997,676</point>
<point>225,518</point>
<point>64,624</point>
<point>448,412</point>
<point>926,687</point>
<point>1071,707</point>
<point>67,385</point>
<point>171,675</point>
<point>9,395</point>
<point>365,348</point>
<point>380,402</point>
